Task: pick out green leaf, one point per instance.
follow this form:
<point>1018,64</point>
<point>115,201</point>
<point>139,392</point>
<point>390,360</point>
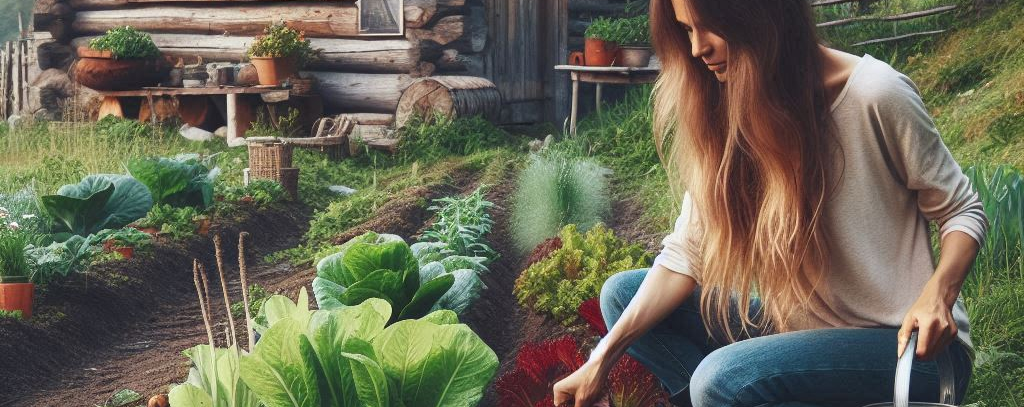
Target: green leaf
<point>178,182</point>
<point>427,296</point>
<point>280,370</point>
<point>441,317</point>
<point>97,202</point>
<point>327,293</point>
<point>435,365</point>
<point>370,382</point>
<point>463,292</point>
<point>188,395</point>
<point>278,308</point>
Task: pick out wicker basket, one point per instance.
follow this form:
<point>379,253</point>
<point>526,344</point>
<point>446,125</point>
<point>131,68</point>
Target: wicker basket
<point>269,157</point>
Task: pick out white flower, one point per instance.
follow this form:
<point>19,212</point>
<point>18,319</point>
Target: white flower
<point>3,213</point>
<point>28,216</point>
<point>13,225</point>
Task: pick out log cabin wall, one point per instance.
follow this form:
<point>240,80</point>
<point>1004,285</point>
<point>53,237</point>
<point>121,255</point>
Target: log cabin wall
<point>513,43</point>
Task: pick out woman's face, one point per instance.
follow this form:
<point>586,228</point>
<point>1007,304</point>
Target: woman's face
<point>706,45</point>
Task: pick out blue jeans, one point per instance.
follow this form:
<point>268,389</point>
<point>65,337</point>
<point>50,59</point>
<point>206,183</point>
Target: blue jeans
<point>820,367</point>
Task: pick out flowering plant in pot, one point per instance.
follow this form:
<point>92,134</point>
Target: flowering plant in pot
<point>16,288</point>
<point>600,47</point>
<point>122,59</point>
<point>279,53</point>
<point>634,38</point>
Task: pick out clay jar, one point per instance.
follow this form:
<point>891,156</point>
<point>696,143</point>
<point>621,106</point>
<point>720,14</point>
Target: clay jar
<point>98,70</point>
<point>599,52</point>
<point>274,70</point>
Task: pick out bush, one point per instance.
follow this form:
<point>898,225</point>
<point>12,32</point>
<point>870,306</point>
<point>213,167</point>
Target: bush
<point>575,272</point>
<point>555,190</point>
<point>126,43</point>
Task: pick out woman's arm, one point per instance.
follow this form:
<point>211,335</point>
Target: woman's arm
<point>932,313</point>
<point>661,292</point>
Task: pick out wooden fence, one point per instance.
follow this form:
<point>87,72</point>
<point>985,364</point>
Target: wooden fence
<point>895,17</point>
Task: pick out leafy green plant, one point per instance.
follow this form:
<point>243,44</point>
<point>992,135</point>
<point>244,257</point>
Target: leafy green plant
<point>635,31</point>
<point>384,266</point>
<point>213,368</point>
<point>178,223</point>
<point>178,182</point>
<point>575,272</point>
<point>554,190</point>
<point>1001,190</point>
<point>261,192</point>
<point>278,40</point>
<point>461,224</point>
<point>98,202</point>
<point>437,136</point>
<point>122,398</point>
<point>127,236</point>
<point>348,357</point>
<point>126,43</point>
<point>14,263</point>
<point>61,259</point>
<point>601,28</point>
<point>16,314</point>
<point>257,296</point>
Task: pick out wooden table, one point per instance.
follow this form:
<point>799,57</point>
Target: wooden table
<point>236,119</point>
<point>600,75</point>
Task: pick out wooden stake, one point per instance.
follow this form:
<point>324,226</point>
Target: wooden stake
<point>245,288</point>
<point>202,306</point>
<point>207,318</point>
<point>224,288</point>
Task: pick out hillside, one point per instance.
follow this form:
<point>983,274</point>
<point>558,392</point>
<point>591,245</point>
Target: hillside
<point>9,10</point>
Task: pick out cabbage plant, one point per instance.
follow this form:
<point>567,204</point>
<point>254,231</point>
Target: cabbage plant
<point>384,266</point>
<point>104,201</point>
<point>179,182</point>
<point>349,356</point>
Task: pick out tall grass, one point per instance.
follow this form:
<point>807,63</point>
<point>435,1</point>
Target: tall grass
<point>844,36</point>
<point>554,190</point>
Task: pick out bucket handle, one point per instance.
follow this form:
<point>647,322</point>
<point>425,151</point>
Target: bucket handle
<point>901,392</point>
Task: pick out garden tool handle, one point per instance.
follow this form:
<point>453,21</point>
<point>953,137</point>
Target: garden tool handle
<point>901,391</point>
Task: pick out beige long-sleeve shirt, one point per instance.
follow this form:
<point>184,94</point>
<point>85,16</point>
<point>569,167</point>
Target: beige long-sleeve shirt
<point>879,215</point>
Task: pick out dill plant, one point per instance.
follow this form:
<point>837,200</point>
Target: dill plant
<point>556,189</point>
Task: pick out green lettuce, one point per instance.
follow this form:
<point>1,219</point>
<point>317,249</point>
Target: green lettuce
<point>213,368</point>
<point>350,357</point>
<point>98,202</point>
<point>177,182</point>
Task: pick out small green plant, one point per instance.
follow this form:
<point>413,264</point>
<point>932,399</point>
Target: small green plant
<point>602,28</point>
<point>575,272</point>
<point>435,137</point>
<point>16,314</point>
<point>257,296</point>
<point>634,32</point>
<point>61,259</point>
<point>461,224</point>
<point>127,236</point>
<point>178,223</point>
<point>261,192</point>
<point>554,190</point>
<point>14,263</point>
<point>126,43</point>
<point>278,40</point>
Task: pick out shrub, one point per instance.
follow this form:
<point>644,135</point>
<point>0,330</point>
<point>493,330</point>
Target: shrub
<point>555,190</point>
<point>126,43</point>
<point>461,224</point>
<point>575,272</point>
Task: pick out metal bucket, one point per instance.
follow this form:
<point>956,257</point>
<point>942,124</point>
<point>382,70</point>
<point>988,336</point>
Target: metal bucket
<point>901,392</point>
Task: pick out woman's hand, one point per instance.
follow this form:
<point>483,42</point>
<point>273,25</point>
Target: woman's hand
<point>933,318</point>
<point>584,386</point>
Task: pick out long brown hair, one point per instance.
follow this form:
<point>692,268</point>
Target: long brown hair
<point>752,152</point>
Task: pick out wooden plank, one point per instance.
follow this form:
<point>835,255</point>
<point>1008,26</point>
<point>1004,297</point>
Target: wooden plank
<point>897,17</point>
<point>556,106</point>
<point>355,55</point>
<point>158,91</point>
<point>898,37</point>
<point>16,78</point>
<point>5,57</point>
<point>821,3</point>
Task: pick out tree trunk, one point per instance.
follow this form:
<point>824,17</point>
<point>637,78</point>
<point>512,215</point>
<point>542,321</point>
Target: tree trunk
<point>452,96</point>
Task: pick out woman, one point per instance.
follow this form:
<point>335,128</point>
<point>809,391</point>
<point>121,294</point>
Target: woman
<point>811,176</point>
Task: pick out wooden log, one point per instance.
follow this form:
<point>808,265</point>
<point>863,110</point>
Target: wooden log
<point>5,78</point>
<point>99,4</point>
<point>379,119</point>
<point>317,19</point>
<point>452,96</point>
<point>354,55</point>
<point>895,17</point>
<point>464,33</point>
<point>898,37</point>
<point>376,93</point>
<point>596,7</point>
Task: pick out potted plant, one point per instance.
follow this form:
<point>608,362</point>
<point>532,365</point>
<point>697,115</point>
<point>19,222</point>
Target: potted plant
<point>124,241</point>
<point>599,48</point>
<point>279,53</point>
<point>122,59</point>
<point>16,288</point>
<point>634,38</point>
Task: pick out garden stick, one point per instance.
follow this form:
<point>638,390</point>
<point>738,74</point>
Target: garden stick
<point>245,288</point>
<point>207,318</point>
<point>219,253</point>
<point>202,308</point>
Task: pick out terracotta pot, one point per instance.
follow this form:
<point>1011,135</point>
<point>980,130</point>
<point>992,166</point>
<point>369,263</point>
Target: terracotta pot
<point>98,70</point>
<point>636,57</point>
<point>273,70</point>
<point>17,297</point>
<point>599,52</point>
<point>125,251</point>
